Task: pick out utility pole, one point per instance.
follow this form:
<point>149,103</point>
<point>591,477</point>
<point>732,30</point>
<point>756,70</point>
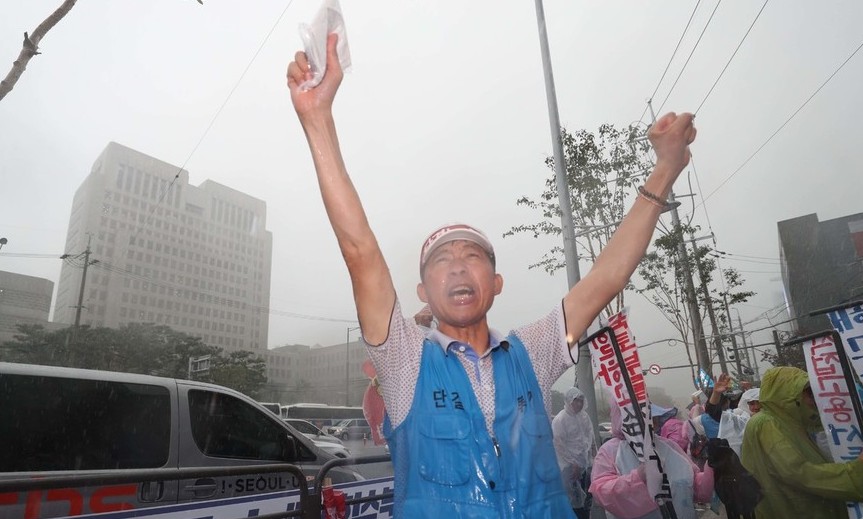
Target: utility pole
<point>733,338</point>
<point>583,370</point>
<point>711,315</point>
<point>701,353</point>
<point>753,361</point>
<point>83,282</point>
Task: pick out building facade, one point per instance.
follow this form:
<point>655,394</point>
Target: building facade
<point>321,374</point>
<point>195,258</point>
<point>23,300</point>
<point>821,266</point>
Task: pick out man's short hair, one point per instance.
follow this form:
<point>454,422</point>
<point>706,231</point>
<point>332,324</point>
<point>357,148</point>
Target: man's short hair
<point>453,232</point>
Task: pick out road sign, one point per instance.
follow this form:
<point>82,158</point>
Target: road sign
<point>654,369</point>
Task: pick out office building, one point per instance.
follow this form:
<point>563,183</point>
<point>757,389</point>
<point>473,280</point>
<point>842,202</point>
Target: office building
<point>23,300</point>
<point>320,374</point>
<point>821,266</point>
<point>195,258</point>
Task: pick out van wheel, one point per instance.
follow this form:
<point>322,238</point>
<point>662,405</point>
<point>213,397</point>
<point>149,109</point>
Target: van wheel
<point>345,435</point>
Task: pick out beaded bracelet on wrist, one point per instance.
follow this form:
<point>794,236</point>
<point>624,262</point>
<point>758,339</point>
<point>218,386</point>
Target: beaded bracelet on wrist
<point>652,198</point>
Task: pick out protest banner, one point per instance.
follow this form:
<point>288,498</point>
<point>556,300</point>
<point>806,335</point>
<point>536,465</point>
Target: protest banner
<point>611,350</point>
<point>838,406</point>
<point>848,323</point>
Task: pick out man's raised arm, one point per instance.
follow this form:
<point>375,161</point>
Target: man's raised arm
<point>374,293</point>
<point>671,136</point>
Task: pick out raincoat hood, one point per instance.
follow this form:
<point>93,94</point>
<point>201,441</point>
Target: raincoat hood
<point>662,414</point>
<point>781,394</point>
<point>571,394</point>
<point>796,478</point>
<point>750,395</point>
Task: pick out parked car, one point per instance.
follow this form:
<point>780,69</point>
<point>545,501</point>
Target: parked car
<point>325,441</point>
<point>351,428</point>
<point>604,431</point>
<point>63,422</point>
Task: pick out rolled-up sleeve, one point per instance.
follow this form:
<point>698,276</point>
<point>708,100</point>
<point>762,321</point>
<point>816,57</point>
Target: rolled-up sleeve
<point>397,364</point>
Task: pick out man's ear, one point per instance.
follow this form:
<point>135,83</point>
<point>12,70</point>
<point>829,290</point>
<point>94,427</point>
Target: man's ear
<point>421,293</point>
<point>498,284</point>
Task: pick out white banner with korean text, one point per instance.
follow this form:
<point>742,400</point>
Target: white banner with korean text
<point>849,323</point>
<point>608,369</point>
<point>833,398</point>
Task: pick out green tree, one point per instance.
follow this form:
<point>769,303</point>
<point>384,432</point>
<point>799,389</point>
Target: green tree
<point>144,348</point>
<point>240,370</point>
<point>791,355</point>
<point>663,283</point>
<point>34,345</point>
<point>601,171</point>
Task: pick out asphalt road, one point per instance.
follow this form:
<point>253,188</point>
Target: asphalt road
<point>370,470</point>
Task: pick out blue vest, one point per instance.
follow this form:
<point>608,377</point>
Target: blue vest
<point>446,464</point>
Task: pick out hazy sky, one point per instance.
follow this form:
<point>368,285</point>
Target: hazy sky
<point>443,118</point>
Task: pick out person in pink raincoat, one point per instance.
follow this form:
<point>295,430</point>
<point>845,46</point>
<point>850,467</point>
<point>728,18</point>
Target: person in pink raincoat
<point>618,484</point>
<point>666,423</point>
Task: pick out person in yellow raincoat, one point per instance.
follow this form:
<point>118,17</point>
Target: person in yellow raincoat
<point>796,479</point>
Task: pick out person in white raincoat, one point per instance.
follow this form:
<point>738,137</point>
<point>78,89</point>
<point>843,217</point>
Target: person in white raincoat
<point>733,422</point>
<point>573,443</point>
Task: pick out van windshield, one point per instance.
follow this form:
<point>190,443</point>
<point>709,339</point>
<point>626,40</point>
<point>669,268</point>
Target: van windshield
<point>344,423</point>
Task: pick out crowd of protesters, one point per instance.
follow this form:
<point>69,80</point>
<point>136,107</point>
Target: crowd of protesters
<point>757,452</point>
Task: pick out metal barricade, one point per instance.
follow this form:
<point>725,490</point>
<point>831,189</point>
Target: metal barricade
<point>310,501</point>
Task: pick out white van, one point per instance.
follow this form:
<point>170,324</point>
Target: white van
<point>275,407</point>
<point>62,421</point>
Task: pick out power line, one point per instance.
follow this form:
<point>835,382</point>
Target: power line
<point>732,56</point>
<point>690,55</point>
<point>212,121</point>
<point>700,193</point>
<point>671,58</point>
<point>778,309</point>
<point>757,262</point>
<point>724,253</point>
<point>775,325</point>
<point>29,255</point>
<point>745,162</point>
<point>216,299</point>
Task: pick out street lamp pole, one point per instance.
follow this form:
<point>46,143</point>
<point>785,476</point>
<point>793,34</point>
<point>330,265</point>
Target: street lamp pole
<point>584,372</point>
<point>348,363</point>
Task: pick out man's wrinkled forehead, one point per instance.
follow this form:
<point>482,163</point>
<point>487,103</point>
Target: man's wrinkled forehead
<point>451,246</point>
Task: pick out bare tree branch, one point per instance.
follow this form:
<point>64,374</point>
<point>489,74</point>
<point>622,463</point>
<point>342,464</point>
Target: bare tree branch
<point>30,47</point>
